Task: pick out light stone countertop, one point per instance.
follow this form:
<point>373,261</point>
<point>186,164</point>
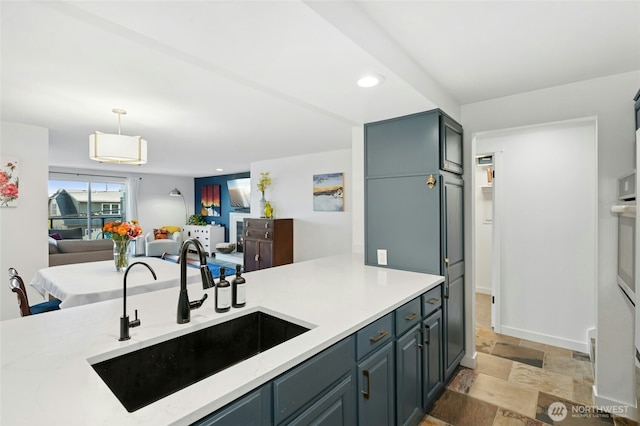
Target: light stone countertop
<point>46,374</point>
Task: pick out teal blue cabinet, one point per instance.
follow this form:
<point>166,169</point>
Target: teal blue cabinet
<point>376,388</point>
<point>303,388</point>
<point>410,375</point>
<point>433,383</point>
<point>334,408</point>
<point>413,144</point>
<point>414,210</point>
<point>387,373</point>
<point>253,409</point>
<point>453,270</point>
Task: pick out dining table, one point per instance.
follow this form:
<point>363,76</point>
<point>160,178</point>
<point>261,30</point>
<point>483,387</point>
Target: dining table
<point>90,282</point>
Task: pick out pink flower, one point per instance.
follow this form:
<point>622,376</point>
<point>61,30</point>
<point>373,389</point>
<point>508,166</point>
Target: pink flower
<point>9,190</point>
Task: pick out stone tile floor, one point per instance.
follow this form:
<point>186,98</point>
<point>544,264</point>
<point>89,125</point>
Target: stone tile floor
<point>515,382</point>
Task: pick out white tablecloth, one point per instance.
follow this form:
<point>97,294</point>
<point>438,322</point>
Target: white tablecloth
<point>82,283</point>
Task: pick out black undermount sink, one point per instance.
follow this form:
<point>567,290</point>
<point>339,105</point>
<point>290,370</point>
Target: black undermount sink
<point>144,376</point>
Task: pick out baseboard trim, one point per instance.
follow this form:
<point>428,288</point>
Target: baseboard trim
<point>546,339</point>
<point>614,407</point>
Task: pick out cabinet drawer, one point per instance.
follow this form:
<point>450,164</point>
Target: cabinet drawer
<point>374,335</point>
<point>259,234</point>
<point>304,383</point>
<point>431,300</point>
<point>258,224</point>
<point>408,315</point>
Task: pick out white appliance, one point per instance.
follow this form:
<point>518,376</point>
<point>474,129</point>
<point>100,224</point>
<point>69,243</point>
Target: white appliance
<point>626,276</point>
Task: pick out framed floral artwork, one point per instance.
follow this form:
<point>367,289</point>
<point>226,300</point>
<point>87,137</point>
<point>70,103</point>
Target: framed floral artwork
<point>9,182</point>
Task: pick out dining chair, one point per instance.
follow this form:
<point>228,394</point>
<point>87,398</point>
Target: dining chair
<point>16,284</point>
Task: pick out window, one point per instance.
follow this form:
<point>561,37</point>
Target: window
<point>110,208</point>
<point>86,202</point>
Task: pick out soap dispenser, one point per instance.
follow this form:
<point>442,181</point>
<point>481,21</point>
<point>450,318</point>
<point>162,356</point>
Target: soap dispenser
<point>223,293</point>
<point>238,290</point>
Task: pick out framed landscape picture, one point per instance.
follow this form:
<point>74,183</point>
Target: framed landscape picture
<point>328,192</point>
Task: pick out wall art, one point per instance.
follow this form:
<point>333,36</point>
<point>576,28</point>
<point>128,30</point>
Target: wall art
<point>9,182</point>
<point>328,192</point>
<point>210,201</point>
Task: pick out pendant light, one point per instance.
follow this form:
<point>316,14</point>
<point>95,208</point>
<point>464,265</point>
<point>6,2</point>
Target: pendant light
<point>120,149</point>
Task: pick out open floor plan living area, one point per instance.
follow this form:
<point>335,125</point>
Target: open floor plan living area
<point>308,212</point>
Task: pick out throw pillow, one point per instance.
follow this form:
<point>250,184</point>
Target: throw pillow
<point>171,229</point>
<point>56,236</point>
<point>160,234</point>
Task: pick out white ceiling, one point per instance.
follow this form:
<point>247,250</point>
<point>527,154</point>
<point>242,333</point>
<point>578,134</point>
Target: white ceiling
<point>214,84</point>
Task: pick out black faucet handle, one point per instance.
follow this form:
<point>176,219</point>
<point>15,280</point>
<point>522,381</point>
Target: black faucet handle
<point>197,303</point>
<point>136,322</point>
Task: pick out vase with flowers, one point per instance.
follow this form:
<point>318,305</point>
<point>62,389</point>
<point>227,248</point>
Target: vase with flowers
<point>121,233</point>
<point>263,183</point>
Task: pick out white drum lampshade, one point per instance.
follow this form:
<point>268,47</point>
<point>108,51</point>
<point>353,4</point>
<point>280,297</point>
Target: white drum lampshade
<point>121,149</point>
<point>108,148</point>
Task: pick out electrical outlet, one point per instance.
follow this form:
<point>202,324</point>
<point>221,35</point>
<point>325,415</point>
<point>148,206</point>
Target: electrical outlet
<point>382,257</point>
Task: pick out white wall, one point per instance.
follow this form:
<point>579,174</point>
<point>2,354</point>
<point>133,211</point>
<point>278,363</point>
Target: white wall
<point>23,229</point>
<point>610,99</point>
<point>316,234</point>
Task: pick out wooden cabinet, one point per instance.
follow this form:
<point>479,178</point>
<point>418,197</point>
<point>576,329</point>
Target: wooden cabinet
<point>208,236</point>
<point>267,243</point>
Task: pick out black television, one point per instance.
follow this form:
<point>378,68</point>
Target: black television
<point>240,193</point>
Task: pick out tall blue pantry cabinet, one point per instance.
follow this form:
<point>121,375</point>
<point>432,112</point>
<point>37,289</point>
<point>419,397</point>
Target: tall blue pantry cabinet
<point>414,211</point>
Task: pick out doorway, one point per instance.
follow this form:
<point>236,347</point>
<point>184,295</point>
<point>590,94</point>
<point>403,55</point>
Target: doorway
<point>544,230</point>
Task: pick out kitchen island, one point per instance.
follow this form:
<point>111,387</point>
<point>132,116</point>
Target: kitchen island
<point>46,371</point>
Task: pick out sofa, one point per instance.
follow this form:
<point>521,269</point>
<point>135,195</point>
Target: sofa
<point>64,252</point>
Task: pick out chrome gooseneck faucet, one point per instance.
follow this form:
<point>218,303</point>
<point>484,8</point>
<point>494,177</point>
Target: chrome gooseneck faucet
<point>184,306</point>
<point>125,324</point>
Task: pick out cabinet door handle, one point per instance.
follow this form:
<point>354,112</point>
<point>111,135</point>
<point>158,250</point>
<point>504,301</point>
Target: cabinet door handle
<point>257,258</point>
<point>377,338</point>
<point>428,335</point>
<point>246,233</point>
<point>266,225</point>
<point>446,278</point>
<point>266,234</point>
<point>411,317</point>
<point>366,393</point>
<point>433,300</point>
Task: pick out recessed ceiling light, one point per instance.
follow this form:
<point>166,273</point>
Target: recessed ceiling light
<point>219,170</point>
<point>370,80</point>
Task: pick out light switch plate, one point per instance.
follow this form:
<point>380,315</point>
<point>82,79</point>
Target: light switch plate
<point>382,257</point>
